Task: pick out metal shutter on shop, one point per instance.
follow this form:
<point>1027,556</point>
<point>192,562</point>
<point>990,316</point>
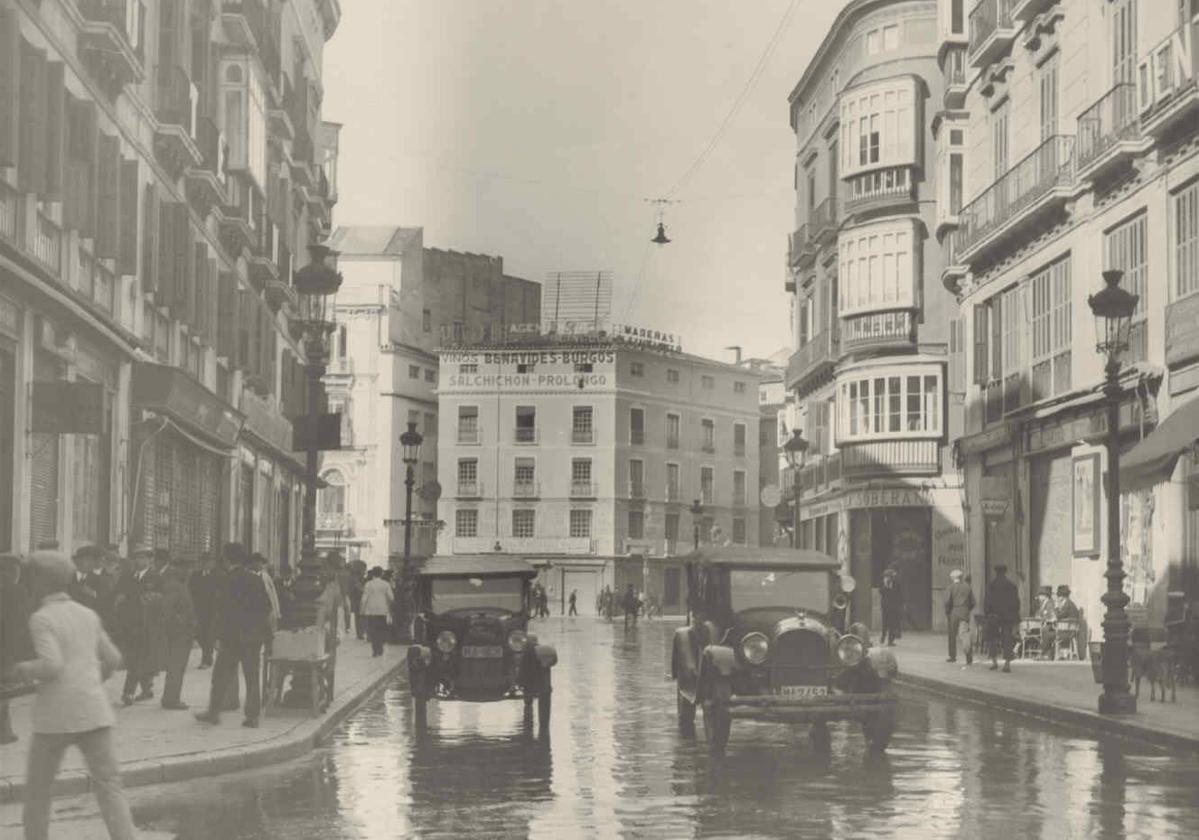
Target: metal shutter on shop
<point>43,496</point>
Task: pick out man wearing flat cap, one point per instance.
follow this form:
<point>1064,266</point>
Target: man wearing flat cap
<point>959,604</point>
<point>1002,607</point>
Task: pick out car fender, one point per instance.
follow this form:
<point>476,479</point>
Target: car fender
<point>419,656</point>
<point>683,666</point>
<point>546,655</point>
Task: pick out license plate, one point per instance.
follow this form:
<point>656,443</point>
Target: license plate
<point>482,652</point>
<point>803,691</point>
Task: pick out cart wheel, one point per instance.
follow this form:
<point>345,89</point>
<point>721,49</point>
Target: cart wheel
<point>686,710</point>
<point>822,740</point>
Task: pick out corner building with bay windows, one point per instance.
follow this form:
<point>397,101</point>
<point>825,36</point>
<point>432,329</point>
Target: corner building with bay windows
<point>874,390</point>
<point>583,455</point>
<point>1076,125</point>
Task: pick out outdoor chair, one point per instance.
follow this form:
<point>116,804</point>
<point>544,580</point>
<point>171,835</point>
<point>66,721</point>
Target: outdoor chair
<point>1028,643</point>
<point>1065,639</point>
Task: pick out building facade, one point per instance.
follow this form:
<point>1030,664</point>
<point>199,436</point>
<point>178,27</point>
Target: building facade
<point>160,164</point>
<point>397,301</point>
<point>870,379</point>
<point>1074,129</point>
<point>584,455</point>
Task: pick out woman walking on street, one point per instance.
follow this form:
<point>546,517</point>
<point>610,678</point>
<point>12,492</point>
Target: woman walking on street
<point>74,657</point>
<point>376,607</point>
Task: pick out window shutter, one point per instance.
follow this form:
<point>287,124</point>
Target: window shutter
<point>32,172</point>
<point>80,194</point>
<point>10,86</point>
<point>996,304</point>
<point>108,227</point>
<point>56,131</point>
<point>166,255</point>
<point>226,331</point>
<point>150,241</point>
<point>981,334</point>
<point>184,262</point>
<point>127,249</point>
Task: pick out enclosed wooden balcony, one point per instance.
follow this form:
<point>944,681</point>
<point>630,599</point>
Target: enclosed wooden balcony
<point>880,190</point>
<point>894,329</point>
<point>877,459</point>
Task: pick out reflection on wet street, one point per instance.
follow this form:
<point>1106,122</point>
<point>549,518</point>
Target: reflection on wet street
<point>616,766</point>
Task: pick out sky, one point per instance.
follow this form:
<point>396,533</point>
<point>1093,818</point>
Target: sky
<point>535,130</point>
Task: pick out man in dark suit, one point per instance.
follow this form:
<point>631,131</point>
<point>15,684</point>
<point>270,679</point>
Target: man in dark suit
<point>1002,607</point>
<point>202,585</point>
<point>241,623</point>
<point>83,586</point>
<point>179,626</point>
<point>137,601</point>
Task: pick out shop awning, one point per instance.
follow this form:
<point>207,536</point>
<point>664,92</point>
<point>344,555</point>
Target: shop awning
<point>167,390</point>
<point>1152,460</point>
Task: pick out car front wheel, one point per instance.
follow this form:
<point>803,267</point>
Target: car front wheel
<point>717,720</point>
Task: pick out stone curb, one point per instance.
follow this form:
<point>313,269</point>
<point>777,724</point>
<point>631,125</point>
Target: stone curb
<point>302,739</point>
<point>1049,712</point>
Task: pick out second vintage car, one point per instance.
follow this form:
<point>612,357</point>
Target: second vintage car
<point>471,639</point>
<point>766,639</point>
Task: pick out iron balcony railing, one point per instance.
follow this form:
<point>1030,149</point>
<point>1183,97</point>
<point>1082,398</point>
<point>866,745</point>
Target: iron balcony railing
<point>673,493</point>
<point>796,243</point>
<point>955,66</point>
<point>10,212</point>
<point>343,522</point>
<point>985,19</point>
<point>637,437</point>
<point>1112,119</point>
<point>821,349</point>
<point>468,434</point>
<point>1048,166</point>
<point>875,328</point>
<point>582,490</point>
<point>47,243</point>
<point>824,218</point>
<point>636,489</point>
<point>582,435</point>
<point>526,434</point>
<point>469,489</point>
<point>526,490</point>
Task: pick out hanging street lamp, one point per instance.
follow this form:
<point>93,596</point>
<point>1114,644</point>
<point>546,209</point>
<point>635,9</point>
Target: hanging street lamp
<point>1113,308</point>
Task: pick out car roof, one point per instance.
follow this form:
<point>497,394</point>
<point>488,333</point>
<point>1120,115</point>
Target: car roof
<point>764,557</point>
<point>477,565</point>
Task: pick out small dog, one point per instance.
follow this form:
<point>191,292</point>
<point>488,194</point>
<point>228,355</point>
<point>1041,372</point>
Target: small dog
<point>1156,666</point>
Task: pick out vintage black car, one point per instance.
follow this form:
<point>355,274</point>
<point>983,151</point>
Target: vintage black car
<point>471,639</point>
<point>766,639</point>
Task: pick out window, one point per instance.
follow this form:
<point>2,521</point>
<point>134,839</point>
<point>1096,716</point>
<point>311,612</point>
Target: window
<point>672,376</point>
<point>738,387</point>
<point>637,478</point>
<point>955,182</point>
<point>332,498</point>
<point>636,369</point>
<point>999,139</point>
<point>957,17</point>
<point>580,523</point>
<point>430,375</point>
<point>672,431</point>
<point>1124,42</point>
<point>1048,84</point>
<point>1051,330</point>
<point>707,383</point>
<point>244,117</point>
<point>430,425</point>
<point>673,490</point>
<point>636,525</point>
<point>580,477</point>
<point>581,430</point>
<point>526,424</point>
<point>707,488</point>
<point>525,474</point>
<point>738,530</point>
<point>877,264</point>
<point>459,332</point>
<point>878,126</point>
<point>672,529</point>
<point>891,37</point>
<point>739,439</point>
<point>637,426</point>
<point>468,476</point>
<point>1124,247</point>
<point>524,523</point>
<point>468,424</point>
<point>957,356</point>
<point>468,367</point>
<point>739,488</point>
<point>872,42</point>
<point>707,428</point>
<point>466,523</point>
<point>901,402</point>
<point>1186,241</point>
<point>414,371</point>
<point>426,320</point>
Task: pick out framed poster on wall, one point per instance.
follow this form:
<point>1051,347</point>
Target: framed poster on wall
<point>1084,480</point>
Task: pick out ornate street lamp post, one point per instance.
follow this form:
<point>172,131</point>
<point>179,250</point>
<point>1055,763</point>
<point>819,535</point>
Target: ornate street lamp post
<point>697,510</point>
<point>315,285</point>
<point>795,449</point>
<point>410,443</point>
<point>1113,308</point>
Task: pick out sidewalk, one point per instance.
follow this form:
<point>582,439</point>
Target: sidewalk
<point>156,745</point>
<point>1065,692</point>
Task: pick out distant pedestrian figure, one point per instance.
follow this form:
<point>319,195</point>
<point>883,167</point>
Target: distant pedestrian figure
<point>375,608</point>
<point>543,602</point>
<point>86,585</point>
<point>242,622</point>
<point>202,586</point>
<point>574,602</point>
<point>1002,608</point>
<point>179,626</point>
<point>73,658</point>
<point>631,605</point>
<point>15,642</point>
<point>959,604</point>
<point>892,607</point>
<point>356,586</point>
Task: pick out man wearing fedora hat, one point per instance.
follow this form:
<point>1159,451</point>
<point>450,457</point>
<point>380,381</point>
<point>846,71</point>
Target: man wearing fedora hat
<point>133,609</point>
<point>73,658</point>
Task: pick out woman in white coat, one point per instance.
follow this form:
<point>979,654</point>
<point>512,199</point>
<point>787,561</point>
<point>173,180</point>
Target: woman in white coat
<point>376,607</point>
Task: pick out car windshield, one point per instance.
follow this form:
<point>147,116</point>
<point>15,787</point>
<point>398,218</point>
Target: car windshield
<point>478,593</point>
<point>758,588</point>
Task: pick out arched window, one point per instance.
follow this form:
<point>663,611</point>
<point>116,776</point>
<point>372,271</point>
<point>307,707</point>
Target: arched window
<point>332,499</point>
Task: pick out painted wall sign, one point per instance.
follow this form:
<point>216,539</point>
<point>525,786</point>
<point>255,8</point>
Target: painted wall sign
<point>1084,480</point>
<point>1182,331</point>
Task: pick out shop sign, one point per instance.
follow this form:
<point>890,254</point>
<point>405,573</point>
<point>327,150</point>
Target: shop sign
<point>994,495</point>
<point>1182,331</point>
<point>328,433</point>
<point>900,497</point>
<point>68,408</point>
<point>265,424</point>
<point>1058,433</point>
<point>981,442</point>
<point>166,389</point>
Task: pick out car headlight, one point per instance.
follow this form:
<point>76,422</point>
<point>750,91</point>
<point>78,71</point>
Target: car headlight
<point>517,640</point>
<point>850,650</point>
<point>754,647</point>
<point>446,641</point>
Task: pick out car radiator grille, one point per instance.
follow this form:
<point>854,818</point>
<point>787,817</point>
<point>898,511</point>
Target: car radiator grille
<point>800,657</point>
<point>477,674</point>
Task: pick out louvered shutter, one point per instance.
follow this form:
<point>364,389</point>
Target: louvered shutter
<point>10,86</point>
<point>210,297</point>
<point>996,305</point>
<point>184,262</point>
<point>166,255</point>
<point>80,194</point>
<point>981,335</point>
<point>108,223</point>
<point>127,251</point>
<point>55,139</point>
<point>150,241</point>
<point>199,319</point>
<point>245,325</point>
<point>32,171</point>
<point>226,333</point>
